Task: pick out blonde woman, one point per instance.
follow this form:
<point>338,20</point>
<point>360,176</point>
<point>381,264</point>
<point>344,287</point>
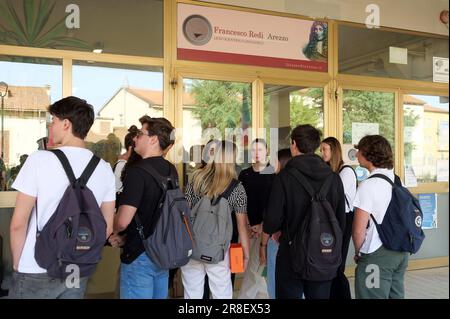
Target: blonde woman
<point>212,181</point>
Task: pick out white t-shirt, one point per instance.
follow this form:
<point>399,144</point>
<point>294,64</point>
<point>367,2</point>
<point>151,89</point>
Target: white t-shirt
<point>43,176</point>
<point>118,173</point>
<point>348,178</point>
<point>373,196</point>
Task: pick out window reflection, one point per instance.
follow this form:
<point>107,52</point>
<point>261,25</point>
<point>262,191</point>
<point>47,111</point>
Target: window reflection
<point>121,95</point>
<point>214,110</point>
<point>285,107</point>
<point>426,148</point>
<point>33,84</point>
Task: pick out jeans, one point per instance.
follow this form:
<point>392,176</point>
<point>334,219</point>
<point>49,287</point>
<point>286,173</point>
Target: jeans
<point>41,286</point>
<point>272,249</point>
<point>142,279</point>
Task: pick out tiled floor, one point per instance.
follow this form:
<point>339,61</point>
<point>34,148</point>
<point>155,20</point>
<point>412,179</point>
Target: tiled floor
<point>424,284</point>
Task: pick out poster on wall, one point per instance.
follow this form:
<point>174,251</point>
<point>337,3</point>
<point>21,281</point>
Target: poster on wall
<point>428,204</point>
<point>359,130</point>
<point>440,69</point>
<point>229,36</point>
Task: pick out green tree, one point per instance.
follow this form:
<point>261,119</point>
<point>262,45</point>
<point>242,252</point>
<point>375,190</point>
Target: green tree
<point>307,108</point>
<point>221,104</point>
<point>410,120</point>
<point>369,107</point>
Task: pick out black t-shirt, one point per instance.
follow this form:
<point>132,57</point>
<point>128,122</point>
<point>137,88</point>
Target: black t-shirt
<point>257,186</point>
<point>141,190</point>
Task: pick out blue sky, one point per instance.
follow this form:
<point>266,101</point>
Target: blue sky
<point>432,100</point>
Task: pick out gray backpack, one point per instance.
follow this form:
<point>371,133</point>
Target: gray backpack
<point>170,244</point>
<point>76,232</point>
<point>212,226</point>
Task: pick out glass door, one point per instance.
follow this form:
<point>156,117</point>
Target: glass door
<point>366,112</point>
<point>212,110</point>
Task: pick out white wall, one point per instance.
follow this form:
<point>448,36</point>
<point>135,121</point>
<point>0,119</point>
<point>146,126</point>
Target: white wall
<point>418,15</point>
<point>125,109</point>
<point>23,134</point>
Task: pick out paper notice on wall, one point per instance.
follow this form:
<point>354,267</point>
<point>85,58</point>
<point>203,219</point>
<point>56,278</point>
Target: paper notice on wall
<point>398,55</point>
<point>440,69</point>
<point>359,130</point>
<point>429,210</point>
<point>410,177</point>
<point>443,135</point>
<point>442,170</point>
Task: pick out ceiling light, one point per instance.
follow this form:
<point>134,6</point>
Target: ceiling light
<point>98,48</point>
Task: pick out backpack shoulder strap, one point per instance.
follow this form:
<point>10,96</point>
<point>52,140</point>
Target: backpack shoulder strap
<point>397,180</point>
<point>301,179</point>
<point>89,170</point>
<point>348,166</point>
<point>387,179</point>
<point>326,186</point>
<point>227,193</point>
<point>65,164</point>
<point>161,180</point>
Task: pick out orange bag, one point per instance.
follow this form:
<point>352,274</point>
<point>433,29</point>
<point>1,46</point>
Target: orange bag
<point>236,258</point>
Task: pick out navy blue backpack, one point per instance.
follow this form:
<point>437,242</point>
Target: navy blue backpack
<point>401,228</point>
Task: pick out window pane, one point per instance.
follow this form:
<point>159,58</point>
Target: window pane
<point>120,95</point>
<point>373,58</point>
<point>366,113</point>
<point>285,107</point>
<point>426,137</point>
<point>33,84</point>
<point>214,110</point>
<point>132,27</point>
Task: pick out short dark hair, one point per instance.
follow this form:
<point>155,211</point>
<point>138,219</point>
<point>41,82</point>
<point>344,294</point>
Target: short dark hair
<point>377,150</point>
<point>77,111</point>
<point>132,133</point>
<point>260,141</point>
<point>307,138</point>
<point>144,119</point>
<point>162,128</point>
<point>284,155</point>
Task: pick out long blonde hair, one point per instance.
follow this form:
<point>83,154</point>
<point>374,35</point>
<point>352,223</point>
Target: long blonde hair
<point>213,179</point>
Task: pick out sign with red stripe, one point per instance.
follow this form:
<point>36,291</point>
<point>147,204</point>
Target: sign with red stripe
<point>227,36</point>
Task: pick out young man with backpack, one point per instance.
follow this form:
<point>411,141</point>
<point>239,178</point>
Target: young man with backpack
<point>142,277</point>
<point>64,210</point>
<point>382,251</point>
<point>307,205</point>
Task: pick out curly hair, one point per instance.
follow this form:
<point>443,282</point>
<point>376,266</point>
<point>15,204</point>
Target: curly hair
<point>377,150</point>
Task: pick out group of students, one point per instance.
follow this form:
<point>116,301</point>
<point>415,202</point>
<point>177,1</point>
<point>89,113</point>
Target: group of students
<point>267,203</point>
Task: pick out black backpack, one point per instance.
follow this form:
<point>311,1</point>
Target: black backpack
<point>76,232</point>
<point>170,244</point>
<point>401,227</point>
<point>316,248</point>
